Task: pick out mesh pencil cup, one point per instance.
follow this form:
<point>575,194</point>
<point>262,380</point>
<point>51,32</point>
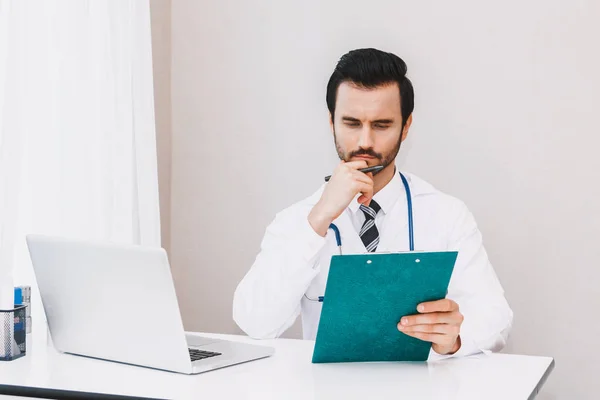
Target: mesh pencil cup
<point>13,331</point>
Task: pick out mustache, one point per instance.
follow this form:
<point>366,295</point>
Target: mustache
<point>365,152</point>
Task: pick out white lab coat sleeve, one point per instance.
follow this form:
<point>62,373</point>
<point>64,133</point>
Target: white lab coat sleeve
<point>267,300</point>
<point>475,287</point>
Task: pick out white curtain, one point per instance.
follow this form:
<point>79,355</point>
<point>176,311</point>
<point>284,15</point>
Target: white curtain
<point>77,135</point>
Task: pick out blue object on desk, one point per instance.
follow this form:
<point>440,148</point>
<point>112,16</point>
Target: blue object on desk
<point>19,322</point>
<point>18,296</point>
<point>365,297</point>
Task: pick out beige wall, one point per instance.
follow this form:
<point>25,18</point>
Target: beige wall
<point>506,101</point>
<point>160,11</point>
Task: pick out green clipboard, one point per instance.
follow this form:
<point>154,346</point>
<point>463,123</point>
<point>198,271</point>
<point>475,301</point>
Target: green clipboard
<point>365,297</point>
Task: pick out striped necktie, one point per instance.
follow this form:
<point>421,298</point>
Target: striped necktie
<point>369,233</point>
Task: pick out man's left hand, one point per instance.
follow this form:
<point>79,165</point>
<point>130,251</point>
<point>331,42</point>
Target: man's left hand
<point>438,322</point>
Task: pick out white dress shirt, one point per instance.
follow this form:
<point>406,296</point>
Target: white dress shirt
<point>291,269</point>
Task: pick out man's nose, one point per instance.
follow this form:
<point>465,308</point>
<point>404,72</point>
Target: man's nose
<point>365,140</point>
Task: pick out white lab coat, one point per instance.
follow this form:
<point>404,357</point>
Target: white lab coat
<point>294,261</point>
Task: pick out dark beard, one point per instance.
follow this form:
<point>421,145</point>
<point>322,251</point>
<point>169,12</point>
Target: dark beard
<point>384,160</point>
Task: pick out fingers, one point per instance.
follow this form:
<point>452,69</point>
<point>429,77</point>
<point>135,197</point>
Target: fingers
<point>428,337</point>
<point>439,322</point>
<point>441,343</point>
<point>445,329</point>
<point>362,177</point>
<point>366,189</point>
<point>365,186</point>
<point>366,199</point>
<point>454,317</point>
<point>445,342</point>
<point>444,305</point>
<point>367,192</point>
<point>343,186</point>
<point>354,174</point>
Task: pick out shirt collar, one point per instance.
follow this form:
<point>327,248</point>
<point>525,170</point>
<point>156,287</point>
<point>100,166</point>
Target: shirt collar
<point>386,197</point>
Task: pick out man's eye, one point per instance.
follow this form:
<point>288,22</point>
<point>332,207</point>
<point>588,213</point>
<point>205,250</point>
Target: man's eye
<point>380,126</point>
<point>352,124</point>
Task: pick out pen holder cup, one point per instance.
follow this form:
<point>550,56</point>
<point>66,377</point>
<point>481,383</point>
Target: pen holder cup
<point>13,333</point>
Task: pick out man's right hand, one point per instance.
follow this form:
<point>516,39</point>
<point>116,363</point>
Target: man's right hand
<point>345,183</point>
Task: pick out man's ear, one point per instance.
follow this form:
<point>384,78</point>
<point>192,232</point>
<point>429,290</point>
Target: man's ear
<point>406,127</point>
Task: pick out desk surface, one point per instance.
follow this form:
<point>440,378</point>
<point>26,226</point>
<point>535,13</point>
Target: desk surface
<point>288,374</point>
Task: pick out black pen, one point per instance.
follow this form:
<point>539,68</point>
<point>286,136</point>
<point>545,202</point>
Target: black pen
<point>375,168</point>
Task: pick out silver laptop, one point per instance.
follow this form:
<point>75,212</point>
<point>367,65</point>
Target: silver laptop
<point>117,302</point>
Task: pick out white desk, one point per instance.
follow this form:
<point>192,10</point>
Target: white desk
<point>289,374</point>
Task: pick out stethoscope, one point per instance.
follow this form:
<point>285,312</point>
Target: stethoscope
<point>411,239</point>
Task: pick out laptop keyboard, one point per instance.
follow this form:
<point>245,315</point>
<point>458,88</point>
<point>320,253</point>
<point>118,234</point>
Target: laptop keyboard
<point>196,354</point>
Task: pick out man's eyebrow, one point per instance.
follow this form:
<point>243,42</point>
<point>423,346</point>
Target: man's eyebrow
<point>385,121</point>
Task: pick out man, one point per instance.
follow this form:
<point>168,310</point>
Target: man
<point>370,102</point>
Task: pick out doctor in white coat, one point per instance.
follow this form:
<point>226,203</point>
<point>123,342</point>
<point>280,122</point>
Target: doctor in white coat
<point>370,101</point>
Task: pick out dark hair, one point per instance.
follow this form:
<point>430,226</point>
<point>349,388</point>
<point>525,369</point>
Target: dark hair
<point>370,68</point>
